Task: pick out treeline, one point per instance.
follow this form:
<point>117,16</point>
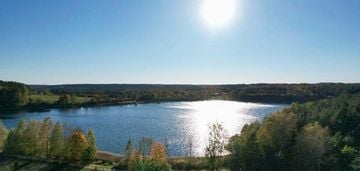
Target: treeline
<point>47,139</point>
<point>288,93</point>
<point>271,93</point>
<point>13,95</point>
<point>139,93</point>
<point>320,135</point>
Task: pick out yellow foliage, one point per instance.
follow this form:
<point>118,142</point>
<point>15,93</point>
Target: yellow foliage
<point>158,152</point>
<point>78,144</point>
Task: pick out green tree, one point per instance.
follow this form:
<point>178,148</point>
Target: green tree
<point>31,135</point>
<point>44,137</point>
<point>68,100</point>
<point>310,146</point>
<point>15,143</point>
<point>244,149</point>
<point>57,141</point>
<point>13,95</point>
<point>216,145</point>
<point>355,164</point>
<point>275,137</point>
<point>3,135</point>
<point>90,151</point>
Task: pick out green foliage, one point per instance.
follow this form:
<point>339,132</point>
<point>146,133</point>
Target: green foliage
<point>155,162</point>
<point>44,136</point>
<point>151,165</point>
<point>216,145</point>
<point>90,151</point>
<point>17,96</point>
<point>45,140</point>
<point>31,135</point>
<point>280,93</point>
<point>16,143</point>
<point>68,100</point>
<point>244,149</point>
<point>319,135</point>
<point>28,138</point>
<point>275,136</point>
<point>57,141</point>
<point>288,93</point>
<point>3,135</point>
<point>22,164</point>
<point>310,147</point>
<point>13,95</point>
<point>355,164</point>
<point>46,99</point>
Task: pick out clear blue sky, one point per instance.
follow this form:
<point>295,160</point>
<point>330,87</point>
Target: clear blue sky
<point>167,41</point>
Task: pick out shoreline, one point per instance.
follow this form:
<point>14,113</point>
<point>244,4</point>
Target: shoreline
<point>104,160</point>
<point>43,108</point>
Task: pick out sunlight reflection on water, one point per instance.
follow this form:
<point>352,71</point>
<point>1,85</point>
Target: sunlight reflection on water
<point>232,115</point>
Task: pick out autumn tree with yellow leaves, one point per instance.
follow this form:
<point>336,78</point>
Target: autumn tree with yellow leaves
<point>77,145</point>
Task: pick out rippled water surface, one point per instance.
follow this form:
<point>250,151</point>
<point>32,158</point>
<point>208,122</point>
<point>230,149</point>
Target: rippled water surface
<point>176,123</point>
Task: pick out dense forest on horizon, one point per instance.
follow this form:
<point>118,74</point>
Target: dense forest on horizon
<point>14,96</point>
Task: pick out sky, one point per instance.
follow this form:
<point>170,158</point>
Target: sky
<point>171,42</point>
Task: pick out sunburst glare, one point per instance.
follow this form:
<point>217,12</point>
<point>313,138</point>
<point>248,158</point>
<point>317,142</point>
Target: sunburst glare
<point>218,13</point>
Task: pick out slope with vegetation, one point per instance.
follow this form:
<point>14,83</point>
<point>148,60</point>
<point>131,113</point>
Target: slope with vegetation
<point>320,135</point>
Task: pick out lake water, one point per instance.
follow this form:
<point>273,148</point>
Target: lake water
<point>176,123</point>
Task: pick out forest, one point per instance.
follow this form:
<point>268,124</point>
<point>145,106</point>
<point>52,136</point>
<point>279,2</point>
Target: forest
<point>317,135</point>
<point>18,96</point>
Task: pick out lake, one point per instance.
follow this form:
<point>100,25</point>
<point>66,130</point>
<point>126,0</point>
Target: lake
<point>176,123</point>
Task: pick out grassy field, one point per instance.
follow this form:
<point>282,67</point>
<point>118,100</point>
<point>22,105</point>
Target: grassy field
<point>51,99</point>
<point>46,98</point>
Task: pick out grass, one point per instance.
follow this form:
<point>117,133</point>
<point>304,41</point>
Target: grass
<point>45,98</point>
<point>51,99</point>
<point>105,161</point>
<point>83,99</point>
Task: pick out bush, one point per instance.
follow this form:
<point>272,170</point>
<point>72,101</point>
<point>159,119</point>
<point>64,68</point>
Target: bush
<point>151,165</point>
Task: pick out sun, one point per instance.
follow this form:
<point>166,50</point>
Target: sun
<point>218,13</point>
